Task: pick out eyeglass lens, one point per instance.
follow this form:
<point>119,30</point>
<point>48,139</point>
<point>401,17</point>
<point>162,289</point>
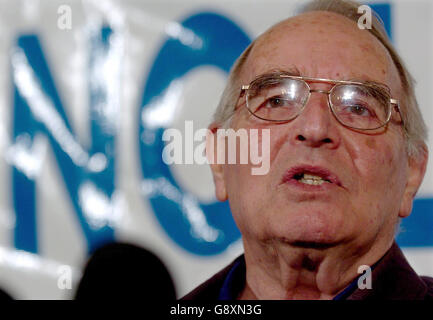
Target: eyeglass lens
<point>355,105</point>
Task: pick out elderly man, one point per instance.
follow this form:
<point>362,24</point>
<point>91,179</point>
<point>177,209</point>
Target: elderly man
<point>347,156</point>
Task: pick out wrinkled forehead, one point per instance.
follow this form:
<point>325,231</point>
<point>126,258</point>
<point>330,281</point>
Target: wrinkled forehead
<point>321,44</point>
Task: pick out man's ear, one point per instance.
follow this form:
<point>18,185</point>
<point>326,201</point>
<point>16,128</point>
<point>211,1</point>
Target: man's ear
<point>416,169</point>
<point>215,165</point>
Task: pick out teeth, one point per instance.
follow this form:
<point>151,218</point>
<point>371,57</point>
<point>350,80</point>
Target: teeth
<point>313,182</point>
<point>311,179</point>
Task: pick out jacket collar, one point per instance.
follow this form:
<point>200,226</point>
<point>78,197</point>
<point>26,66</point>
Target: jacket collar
<point>393,279</point>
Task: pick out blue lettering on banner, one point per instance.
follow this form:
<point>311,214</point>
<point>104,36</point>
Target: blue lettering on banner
<point>416,230</point>
<point>203,229</point>
<point>383,11</point>
<point>38,109</point>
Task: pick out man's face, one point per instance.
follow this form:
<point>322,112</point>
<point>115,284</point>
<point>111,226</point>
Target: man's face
<point>371,168</point>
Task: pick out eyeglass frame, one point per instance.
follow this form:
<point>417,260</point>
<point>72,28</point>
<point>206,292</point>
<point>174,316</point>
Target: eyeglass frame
<point>392,101</point>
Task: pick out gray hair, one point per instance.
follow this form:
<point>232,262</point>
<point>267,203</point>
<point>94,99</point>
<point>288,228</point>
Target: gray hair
<point>415,129</point>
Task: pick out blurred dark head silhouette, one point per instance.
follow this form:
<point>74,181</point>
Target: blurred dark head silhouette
<point>125,271</point>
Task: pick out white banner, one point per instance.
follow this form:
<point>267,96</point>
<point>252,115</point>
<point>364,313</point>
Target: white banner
<point>86,90</point>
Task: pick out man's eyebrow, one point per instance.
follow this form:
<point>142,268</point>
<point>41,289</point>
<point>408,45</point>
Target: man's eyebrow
<point>365,79</point>
<point>278,72</point>
<point>369,81</point>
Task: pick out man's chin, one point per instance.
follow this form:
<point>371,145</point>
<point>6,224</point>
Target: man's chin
<point>309,242</point>
<point>313,244</point>
<point>313,228</point>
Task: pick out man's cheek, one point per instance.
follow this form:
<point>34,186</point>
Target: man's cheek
<point>370,142</point>
<point>380,172</point>
<point>245,187</point>
<point>276,146</point>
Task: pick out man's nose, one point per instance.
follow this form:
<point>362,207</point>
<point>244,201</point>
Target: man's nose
<point>316,126</point>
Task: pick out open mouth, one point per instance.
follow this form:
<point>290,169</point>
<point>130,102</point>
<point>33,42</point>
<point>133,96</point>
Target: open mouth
<point>312,179</point>
<point>310,175</point>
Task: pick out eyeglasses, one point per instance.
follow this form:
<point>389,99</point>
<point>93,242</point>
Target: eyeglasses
<point>358,105</point>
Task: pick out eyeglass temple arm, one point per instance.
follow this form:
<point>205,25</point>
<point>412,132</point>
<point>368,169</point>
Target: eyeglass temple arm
<point>244,88</point>
<point>397,108</point>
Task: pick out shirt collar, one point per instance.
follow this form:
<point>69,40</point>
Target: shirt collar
<point>234,282</point>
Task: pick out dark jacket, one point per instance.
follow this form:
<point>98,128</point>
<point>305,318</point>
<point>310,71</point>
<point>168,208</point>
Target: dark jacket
<point>392,279</point>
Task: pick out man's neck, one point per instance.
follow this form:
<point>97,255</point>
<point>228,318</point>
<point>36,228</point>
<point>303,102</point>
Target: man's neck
<point>279,270</point>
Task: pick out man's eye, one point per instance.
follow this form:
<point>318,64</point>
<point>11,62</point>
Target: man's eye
<point>359,110</point>
<point>276,102</point>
